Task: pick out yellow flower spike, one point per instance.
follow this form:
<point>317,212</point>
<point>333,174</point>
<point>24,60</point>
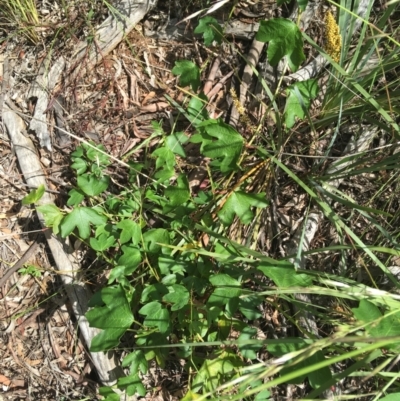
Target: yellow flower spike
<point>333,40</point>
<point>244,118</point>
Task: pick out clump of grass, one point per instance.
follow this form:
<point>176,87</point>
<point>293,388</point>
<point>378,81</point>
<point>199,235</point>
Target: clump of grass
<point>24,14</point>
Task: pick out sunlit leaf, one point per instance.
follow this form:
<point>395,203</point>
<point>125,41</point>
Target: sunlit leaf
<point>239,204</point>
<point>114,318</point>
<point>210,29</point>
<point>34,195</point>
<point>284,38</point>
<point>81,218</point>
<point>299,100</point>
<point>189,73</point>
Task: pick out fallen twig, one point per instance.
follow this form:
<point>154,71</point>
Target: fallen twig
<point>252,60</point>
<point>25,257</point>
<point>211,76</point>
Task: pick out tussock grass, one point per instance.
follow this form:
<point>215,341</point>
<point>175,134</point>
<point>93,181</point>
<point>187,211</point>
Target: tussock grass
<point>24,15</point>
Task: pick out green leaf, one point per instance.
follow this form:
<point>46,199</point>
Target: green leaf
<point>128,203</point>
<point>130,258</point>
<point>131,231</point>
<point>34,195</point>
<point>107,339</point>
<point>189,73</point>
<point>381,325</point>
<point>99,158</point>
<point>95,300</point>
<point>77,153</point>
<point>316,378</point>
<point>210,29</point>
<point>216,371</point>
<point>157,128</point>
<point>136,362</point>
<point>196,110</point>
<point>92,185</point>
<point>180,193</point>
<point>202,198</point>
<point>263,395</point>
<point>209,375</point>
<point>219,280</point>
<point>117,274</point>
<point>30,269</point>
<point>164,175</point>
<point>108,229</point>
<point>178,296</point>
<point>109,394</point>
<point>198,324</point>
<point>299,100</point>
<point>319,376</point>
<point>154,292</point>
<point>302,4</point>
<point>153,238</point>
<point>102,242</point>
<point>79,165</point>
<point>239,203</point>
<point>165,158</point>
<point>75,197</point>
<point>191,396</point>
<point>249,351</point>
<point>169,279</point>
<point>284,39</point>
<point>174,143</point>
<point>285,276</point>
<point>367,312</point>
<point>222,142</point>
<point>168,265</point>
<point>81,218</point>
<point>132,385</point>
<point>156,316</point>
<point>249,307</point>
<point>290,345</point>
<point>115,317</point>
<point>52,216</point>
<point>227,289</point>
<point>391,397</point>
